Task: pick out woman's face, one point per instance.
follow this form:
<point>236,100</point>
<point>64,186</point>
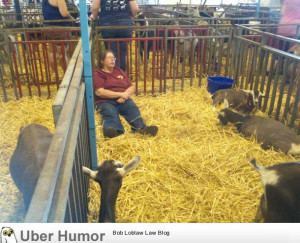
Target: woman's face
<point>109,60</point>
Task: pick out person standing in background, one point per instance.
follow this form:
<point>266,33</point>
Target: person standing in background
<point>116,13</point>
<point>290,14</point>
<point>56,10</point>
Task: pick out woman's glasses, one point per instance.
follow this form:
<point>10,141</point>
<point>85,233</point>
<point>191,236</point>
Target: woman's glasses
<point>111,58</point>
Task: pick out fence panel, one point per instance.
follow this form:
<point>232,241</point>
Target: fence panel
<point>273,72</point>
<point>61,191</point>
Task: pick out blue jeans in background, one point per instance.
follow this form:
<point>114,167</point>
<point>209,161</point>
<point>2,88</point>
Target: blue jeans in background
<point>118,33</point>
<point>110,112</point>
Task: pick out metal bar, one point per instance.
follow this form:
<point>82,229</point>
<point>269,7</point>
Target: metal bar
<point>26,70</point>
<point>174,65</point>
<point>201,63</point>
<point>73,207</point>
<point>282,85</point>
<point>3,86</point>
<point>244,53</point>
<point>136,71</point>
<point>60,198</point>
<point>145,65</point>
<point>76,176</point>
<point>16,70</point>
<point>64,86</point>
<point>153,66</point>
<point>253,67</point>
<point>87,65</point>
<point>264,68</point>
<point>165,58</point>
<point>275,84</point>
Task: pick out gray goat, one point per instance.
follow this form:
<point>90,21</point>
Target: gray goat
<point>243,101</point>
<point>269,132</point>
<point>28,158</point>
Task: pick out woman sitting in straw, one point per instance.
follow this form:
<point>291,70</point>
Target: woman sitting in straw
<point>112,90</point>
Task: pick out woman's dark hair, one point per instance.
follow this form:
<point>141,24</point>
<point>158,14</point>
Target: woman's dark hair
<point>102,56</point>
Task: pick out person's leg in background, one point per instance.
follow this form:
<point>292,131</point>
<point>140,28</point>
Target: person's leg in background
<point>119,48</point>
<point>124,33</point>
<point>57,52</point>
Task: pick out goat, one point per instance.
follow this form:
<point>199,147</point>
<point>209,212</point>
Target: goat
<point>141,20</point>
<point>28,159</point>
<point>186,47</point>
<point>243,101</point>
<point>109,176</point>
<point>269,132</point>
<point>280,202</point>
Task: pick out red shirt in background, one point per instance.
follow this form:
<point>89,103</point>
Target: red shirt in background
<point>116,81</point>
<point>290,14</point>
<point>5,2</point>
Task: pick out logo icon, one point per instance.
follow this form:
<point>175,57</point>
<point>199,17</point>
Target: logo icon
<point>8,235</point>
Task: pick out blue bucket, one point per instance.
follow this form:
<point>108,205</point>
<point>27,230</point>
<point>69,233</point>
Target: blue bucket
<point>216,83</point>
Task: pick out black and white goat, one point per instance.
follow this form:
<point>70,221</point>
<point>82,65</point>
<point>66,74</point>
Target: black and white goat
<point>243,101</point>
<point>280,202</point>
<point>109,176</point>
<point>269,132</point>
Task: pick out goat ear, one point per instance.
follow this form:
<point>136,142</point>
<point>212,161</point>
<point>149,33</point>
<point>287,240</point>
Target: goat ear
<point>247,91</point>
<point>252,162</point>
<point>221,113</point>
<point>89,172</point>
<point>226,104</point>
<point>262,94</point>
<point>131,165</point>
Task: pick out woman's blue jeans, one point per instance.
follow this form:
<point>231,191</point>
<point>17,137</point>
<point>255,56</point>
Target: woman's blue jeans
<point>118,33</point>
<point>110,112</point>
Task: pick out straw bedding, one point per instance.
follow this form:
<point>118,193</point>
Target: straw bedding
<point>194,170</point>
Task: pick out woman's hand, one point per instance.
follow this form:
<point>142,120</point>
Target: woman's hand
<point>121,100</point>
<point>125,95</point>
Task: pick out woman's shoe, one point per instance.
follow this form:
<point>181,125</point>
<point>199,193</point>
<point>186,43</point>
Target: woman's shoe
<point>111,133</point>
<point>149,130</point>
